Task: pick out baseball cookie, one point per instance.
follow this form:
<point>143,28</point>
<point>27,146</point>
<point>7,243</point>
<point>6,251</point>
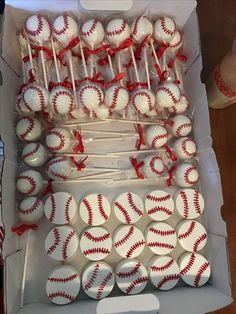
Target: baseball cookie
<point>34,154</point>
<point>29,129</point>
<point>181,107</point>
<point>96,243</point>
<point>141,27</point>
<point>116,97</point>
<point>95,209</point>
<point>195,270</point>
<point>98,280</point>
<point>63,285</point>
<point>128,208</point>
<point>117,30</point>
<point>160,238</point>
<point>164,29</point>
<point>30,209</point>
<point>189,203</point>
<point>192,235</point>
<point>129,241</point>
<point>91,96</point>
<point>185,148</point>
<point>35,98</point>
<point>181,125</point>
<point>29,182</point>
<point>143,100</point>
<point>58,140</point>
<point>186,175</point>
<point>159,205</point>
<point>61,100</point>
<point>37,28</point>
<point>164,272</point>
<point>131,276</point>
<point>61,243</point>
<point>156,136</point>
<point>60,208</point>
<point>92,32</point>
<point>153,167</point>
<point>59,168</point>
<point>168,95</point>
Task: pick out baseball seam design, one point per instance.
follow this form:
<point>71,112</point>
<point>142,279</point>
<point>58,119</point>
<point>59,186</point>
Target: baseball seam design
<point>61,138</point>
<point>159,209</point>
<point>184,147</point>
<point>89,87</point>
<point>142,93</point>
<point>134,247</point>
<point>63,280</point>
<point>103,285</point>
<point>104,237</point>
<point>166,279</point>
<point>52,172</point>
<point>32,152</point>
<point>92,279</point>
<point>39,28</point>
<point>169,93</point>
<point>31,181</point>
<point>125,238</point>
<point>189,265</point>
<point>90,211</point>
<point>164,27</point>
<point>185,204</point>
<point>28,129</point>
<point>64,28</point>
<point>161,232</point>
<point>66,243</point>
<point>53,208</point>
<point>96,251</point>
<point>188,232</point>
<point>130,273</point>
<point>62,93</point>
<point>101,208</point>
<point>177,44</point>
<point>135,283</point>
<point>181,127</point>
<point>115,97</point>
<point>133,205</point>
<point>117,31</point>
<point>199,273</point>
<point>157,138</point>
<point>158,199</point>
<point>91,30</point>
<point>186,176</point>
<point>162,268</point>
<point>203,237</point>
<point>40,94</point>
<point>61,294</point>
<point>196,202</point>
<point>124,212</point>
<point>138,18</point>
<point>160,244</point>
<point>152,166</point>
<point>67,208</point>
<point>31,209</point>
<point>57,241</point>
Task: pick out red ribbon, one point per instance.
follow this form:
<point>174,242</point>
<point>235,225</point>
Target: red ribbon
<point>65,83</point>
<point>168,123</point>
<point>49,54</point>
<point>178,56</point>
<point>138,51</point>
<point>131,86</point>
<point>141,136</point>
<point>74,42</point>
<point>171,172</point>
<point>125,44</point>
<point>48,189</point>
<point>80,165</point>
<point>95,79</point>
<point>103,61</point>
<point>32,74</point>
<point>46,118</point>
<point>88,52</point>
<point>23,228</point>
<point>137,167</point>
<point>27,58</point>
<point>79,147</point>
<point>161,51</point>
<point>171,153</point>
<point>118,77</point>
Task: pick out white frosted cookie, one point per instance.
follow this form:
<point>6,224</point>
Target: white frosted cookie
<point>159,205</point>
<point>185,148</point>
<point>160,238</point>
<point>129,241</point>
<point>131,276</point>
<point>63,285</point>
<point>30,209</point>
<point>34,154</point>
<point>186,175</point>
<point>61,243</point>
<point>153,166</point>
<point>128,207</point>
<point>164,272</point>
<point>98,280</point>
<point>195,270</point>
<point>60,208</point>
<point>189,203</point>
<point>192,235</point>
<point>96,243</point>
<point>94,209</point>
<point>29,182</point>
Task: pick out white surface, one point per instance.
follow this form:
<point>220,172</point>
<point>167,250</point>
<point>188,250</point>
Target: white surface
<point>189,203</point>
<point>159,205</point>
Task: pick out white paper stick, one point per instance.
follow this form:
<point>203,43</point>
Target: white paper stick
<point>25,269</point>
<point>23,66</point>
<point>86,155</point>
<point>111,66</point>
<point>135,152</point>
<point>85,123</point>
<point>69,57</point>
<point>30,53</point>
<point>55,61</point>
<point>119,67</point>
<point>135,65</point>
<point>146,67</point>
<point>83,59</point>
<point>91,65</point>
<point>135,122</point>
<point>154,53</point>
<point>44,69</point>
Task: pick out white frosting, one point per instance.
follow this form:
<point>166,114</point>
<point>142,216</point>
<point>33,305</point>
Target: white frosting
<point>185,148</point>
<point>160,238</point>
<point>63,285</point>
<point>64,29</point>
<point>153,166</point>
<point>117,30</point>
<point>29,182</point>
<point>30,209</point>
<point>59,168</point>
<point>141,27</point>
<point>143,100</point>
<point>168,94</point>
<point>96,243</point>
<point>128,208</point>
<point>195,270</point>
<point>29,129</point>
<point>176,41</point>
<point>40,28</point>
<point>181,106</point>
<point>58,140</point>
<point>164,29</point>
<point>95,209</point>
<point>98,280</point>
<point>159,205</point>
<point>60,208</point>
<point>186,175</point>
<point>34,154</point>
<point>192,235</point>
<point>21,107</point>
<point>129,241</point>
<point>61,243</point>
<point>79,113</point>
<point>61,100</point>
<point>35,97</point>
<point>116,97</point>
<point>164,272</point>
<point>91,96</point>
<point>181,126</point>
<point>102,112</point>
<point>131,276</point>
<point>189,203</point>
<point>156,136</point>
<point>92,33</point>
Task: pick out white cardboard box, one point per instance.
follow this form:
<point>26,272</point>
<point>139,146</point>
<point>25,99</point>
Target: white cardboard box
<point>217,293</point>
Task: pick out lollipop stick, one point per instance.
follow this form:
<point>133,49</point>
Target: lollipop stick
<point>154,53</point>
<point>178,73</point>
<point>91,65</point>
<point>23,67</point>
<point>135,64</point>
<point>44,69</point>
<point>119,67</point>
<point>111,66</point>
<point>25,269</point>
<point>83,60</point>
<point>146,68</point>
<point>30,54</point>
<point>72,77</point>
<point>55,61</point>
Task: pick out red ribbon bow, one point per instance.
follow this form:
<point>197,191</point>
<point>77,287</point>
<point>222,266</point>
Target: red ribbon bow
<point>65,83</point>
<point>32,79</point>
<point>170,153</point>
<point>88,52</point>
<point>48,189</point>
<point>141,136</point>
<point>23,228</point>
<point>74,42</point>
<point>95,79</point>
<point>161,50</point>
<point>137,167</point>
<point>118,77</point>
<point>80,165</point>
<point>79,147</point>
<point>171,173</point>
<point>132,86</point>
<point>27,58</point>
<point>47,119</point>
<point>178,56</point>
<point>103,61</point>
<point>48,52</point>
<point>138,51</point>
<point>125,44</point>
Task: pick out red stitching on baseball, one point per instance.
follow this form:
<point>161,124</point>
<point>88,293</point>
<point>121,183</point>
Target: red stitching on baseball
<point>92,279</point>
<point>177,44</point>
<point>63,280</point>
<point>89,87</point>
<point>185,203</point>
<point>96,250</point>
<point>184,147</point>
<point>164,27</point>
<point>32,152</point>
<point>152,166</point>
<point>188,232</point>
<point>196,202</point>
<point>138,18</point>
<point>117,31</point>
<point>142,93</point>
<point>133,205</point>
<point>67,208</point>
<point>66,243</point>
<point>130,273</point>
<point>104,237</point>
<point>136,283</point>
<point>90,30</point>
<point>158,199</point>
<point>90,211</point>
<point>134,247</point>
<point>103,284</point>
<point>61,138</point>
<point>189,265</point>
<point>29,127</point>
<point>32,183</point>
<point>160,244</point>
<point>186,175</point>
<point>203,237</point>
<point>53,208</point>
<point>172,96</point>
<point>125,238</point>
<point>199,273</point>
<point>157,138</point>
<point>159,209</point>
<point>164,267</point>
<point>124,212</point>
<point>161,232</point>
<point>30,210</point>
<point>40,94</point>
<point>58,94</point>
<point>101,208</point>
<point>181,127</point>
<point>39,28</point>
<point>64,28</point>
<point>166,279</point>
<point>115,97</point>
<point>52,172</point>
<point>61,294</point>
<point>57,241</point>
